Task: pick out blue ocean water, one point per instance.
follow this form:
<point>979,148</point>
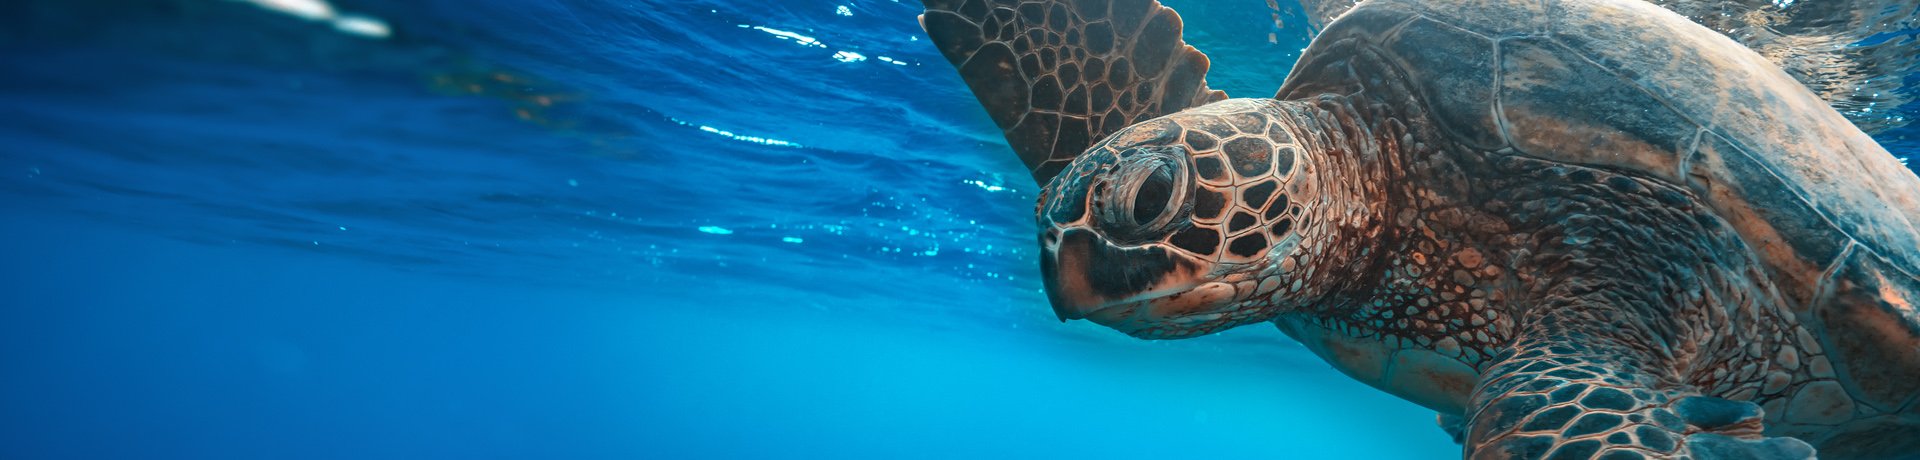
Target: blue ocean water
<point>576,229</point>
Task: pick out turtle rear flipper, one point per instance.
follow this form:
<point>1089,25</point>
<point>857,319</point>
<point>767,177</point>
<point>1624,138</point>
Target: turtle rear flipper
<point>1058,76</point>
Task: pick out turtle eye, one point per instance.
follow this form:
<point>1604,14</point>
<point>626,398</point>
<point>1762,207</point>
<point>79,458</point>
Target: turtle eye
<point>1150,200</point>
<point>1142,196</point>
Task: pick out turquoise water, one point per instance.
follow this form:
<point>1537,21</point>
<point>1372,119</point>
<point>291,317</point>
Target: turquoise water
<point>572,229</point>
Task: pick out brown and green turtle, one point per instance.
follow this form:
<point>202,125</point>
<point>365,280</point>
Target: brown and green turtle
<point>1576,229</point>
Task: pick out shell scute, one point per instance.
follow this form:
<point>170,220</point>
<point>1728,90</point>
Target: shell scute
<point>1787,231</point>
<point>1455,70</point>
<point>1793,139</point>
<point>1492,18</point>
<point>1560,106</point>
<point>1877,305</point>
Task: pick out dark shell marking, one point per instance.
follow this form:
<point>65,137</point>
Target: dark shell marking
<point>1059,76</point>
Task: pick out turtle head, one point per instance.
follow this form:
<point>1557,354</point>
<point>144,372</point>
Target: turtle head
<point>1179,226</point>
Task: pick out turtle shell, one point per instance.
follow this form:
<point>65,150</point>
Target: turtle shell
<point>1626,85</point>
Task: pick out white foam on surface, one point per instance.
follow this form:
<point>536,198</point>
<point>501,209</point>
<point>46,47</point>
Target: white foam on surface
<point>321,11</point>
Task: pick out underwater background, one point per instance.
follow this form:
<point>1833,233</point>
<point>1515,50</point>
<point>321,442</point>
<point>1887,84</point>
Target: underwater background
<point>625,229</point>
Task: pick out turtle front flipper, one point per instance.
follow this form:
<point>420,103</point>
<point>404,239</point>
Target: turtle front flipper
<point>1567,394</point>
<point>1059,75</point>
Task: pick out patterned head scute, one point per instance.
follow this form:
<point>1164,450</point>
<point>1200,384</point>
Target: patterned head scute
<point>1177,226</point>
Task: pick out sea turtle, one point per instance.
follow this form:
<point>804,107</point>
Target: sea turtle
<point>1574,228</point>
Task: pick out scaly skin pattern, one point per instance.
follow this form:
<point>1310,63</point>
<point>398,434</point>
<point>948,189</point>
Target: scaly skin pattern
<point>1057,76</point>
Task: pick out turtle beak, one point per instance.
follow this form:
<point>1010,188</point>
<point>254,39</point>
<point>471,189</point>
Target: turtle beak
<point>1085,275</point>
<point>1068,289</point>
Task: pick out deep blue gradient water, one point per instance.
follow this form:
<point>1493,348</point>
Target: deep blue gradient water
<point>576,229</point>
